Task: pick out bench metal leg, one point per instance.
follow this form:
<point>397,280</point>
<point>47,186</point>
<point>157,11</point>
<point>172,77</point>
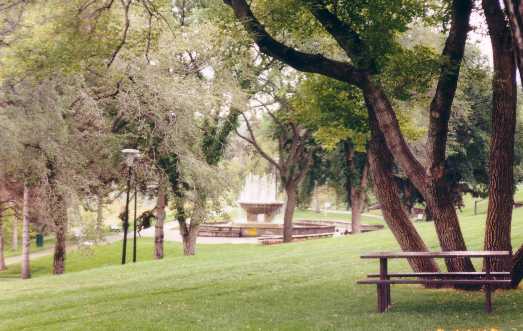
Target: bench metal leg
<point>389,301</point>
<point>488,299</point>
<point>383,290</point>
<point>488,288</point>
<point>383,302</point>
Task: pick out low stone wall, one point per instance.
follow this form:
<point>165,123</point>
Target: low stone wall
<point>261,229</point>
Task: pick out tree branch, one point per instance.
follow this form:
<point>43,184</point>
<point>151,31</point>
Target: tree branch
<point>346,37</point>
<point>314,63</point>
<point>254,143</point>
<point>440,107</point>
<point>126,5</point>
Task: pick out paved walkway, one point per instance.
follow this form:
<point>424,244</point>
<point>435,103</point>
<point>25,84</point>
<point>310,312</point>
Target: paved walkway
<point>171,233</point>
<point>46,252</point>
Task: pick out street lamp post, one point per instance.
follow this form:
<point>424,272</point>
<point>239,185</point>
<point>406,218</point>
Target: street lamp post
<point>134,223</point>
<point>130,155</point>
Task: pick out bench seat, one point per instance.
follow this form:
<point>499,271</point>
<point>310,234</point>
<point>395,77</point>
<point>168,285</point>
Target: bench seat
<point>436,281</point>
<point>441,274</point>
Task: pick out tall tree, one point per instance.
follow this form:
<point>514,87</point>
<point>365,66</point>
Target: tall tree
<point>295,156</point>
<point>361,72</point>
<point>501,161</point>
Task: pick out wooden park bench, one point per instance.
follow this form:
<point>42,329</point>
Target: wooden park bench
<point>486,279</point>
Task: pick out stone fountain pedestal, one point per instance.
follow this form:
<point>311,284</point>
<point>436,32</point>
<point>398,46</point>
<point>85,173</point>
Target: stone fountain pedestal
<point>267,209</point>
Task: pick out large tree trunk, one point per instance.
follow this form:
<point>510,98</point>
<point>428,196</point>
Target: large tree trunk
<point>357,197</point>
<point>388,192</point>
<point>434,191</point>
<point>358,200</point>
<point>99,216</point>
<point>2,257</point>
<point>26,240</point>
<point>160,218</point>
<point>288,215</point>
<point>60,223</point>
<point>501,178</point>
<point>189,231</point>
<point>189,239</point>
<point>447,225</point>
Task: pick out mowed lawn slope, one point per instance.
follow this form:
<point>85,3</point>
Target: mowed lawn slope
<point>300,286</point>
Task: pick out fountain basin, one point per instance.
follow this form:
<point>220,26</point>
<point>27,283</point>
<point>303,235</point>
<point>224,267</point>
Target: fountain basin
<point>260,229</point>
<point>253,209</point>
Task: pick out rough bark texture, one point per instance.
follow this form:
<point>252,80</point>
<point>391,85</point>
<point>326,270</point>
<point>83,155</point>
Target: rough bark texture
<point>2,258</point>
<point>160,219</point>
<point>387,192</point>
<point>434,192</point>
<point>501,159</point>
<point>26,240</point>
<point>60,228</point>
<point>440,107</point>
<point>189,240</point>
<point>290,205</point>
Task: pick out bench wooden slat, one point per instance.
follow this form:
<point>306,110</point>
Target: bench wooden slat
<point>441,274</point>
<point>402,255</point>
<point>437,281</point>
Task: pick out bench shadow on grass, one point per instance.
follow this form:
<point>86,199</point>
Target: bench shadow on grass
<point>445,301</point>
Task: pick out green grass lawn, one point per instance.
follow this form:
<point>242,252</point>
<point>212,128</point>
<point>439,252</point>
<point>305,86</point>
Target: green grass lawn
<point>307,285</point>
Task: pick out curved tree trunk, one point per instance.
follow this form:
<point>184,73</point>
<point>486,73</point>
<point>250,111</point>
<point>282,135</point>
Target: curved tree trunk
<point>435,192</point>
<point>60,220</point>
<point>26,240</point>
<point>501,159</point>
<point>2,257</point>
<point>388,192</point>
<point>290,206</point>
<point>160,218</point>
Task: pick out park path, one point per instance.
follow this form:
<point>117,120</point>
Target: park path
<point>46,252</point>
<point>171,233</point>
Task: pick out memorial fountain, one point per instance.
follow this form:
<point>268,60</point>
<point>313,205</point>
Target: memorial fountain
<point>259,201</point>
<point>259,198</point>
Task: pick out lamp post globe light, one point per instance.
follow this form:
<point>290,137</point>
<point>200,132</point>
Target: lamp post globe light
<point>130,155</point>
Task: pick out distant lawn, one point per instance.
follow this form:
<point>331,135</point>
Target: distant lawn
<point>308,285</point>
<point>91,258</point>
<point>301,214</point>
